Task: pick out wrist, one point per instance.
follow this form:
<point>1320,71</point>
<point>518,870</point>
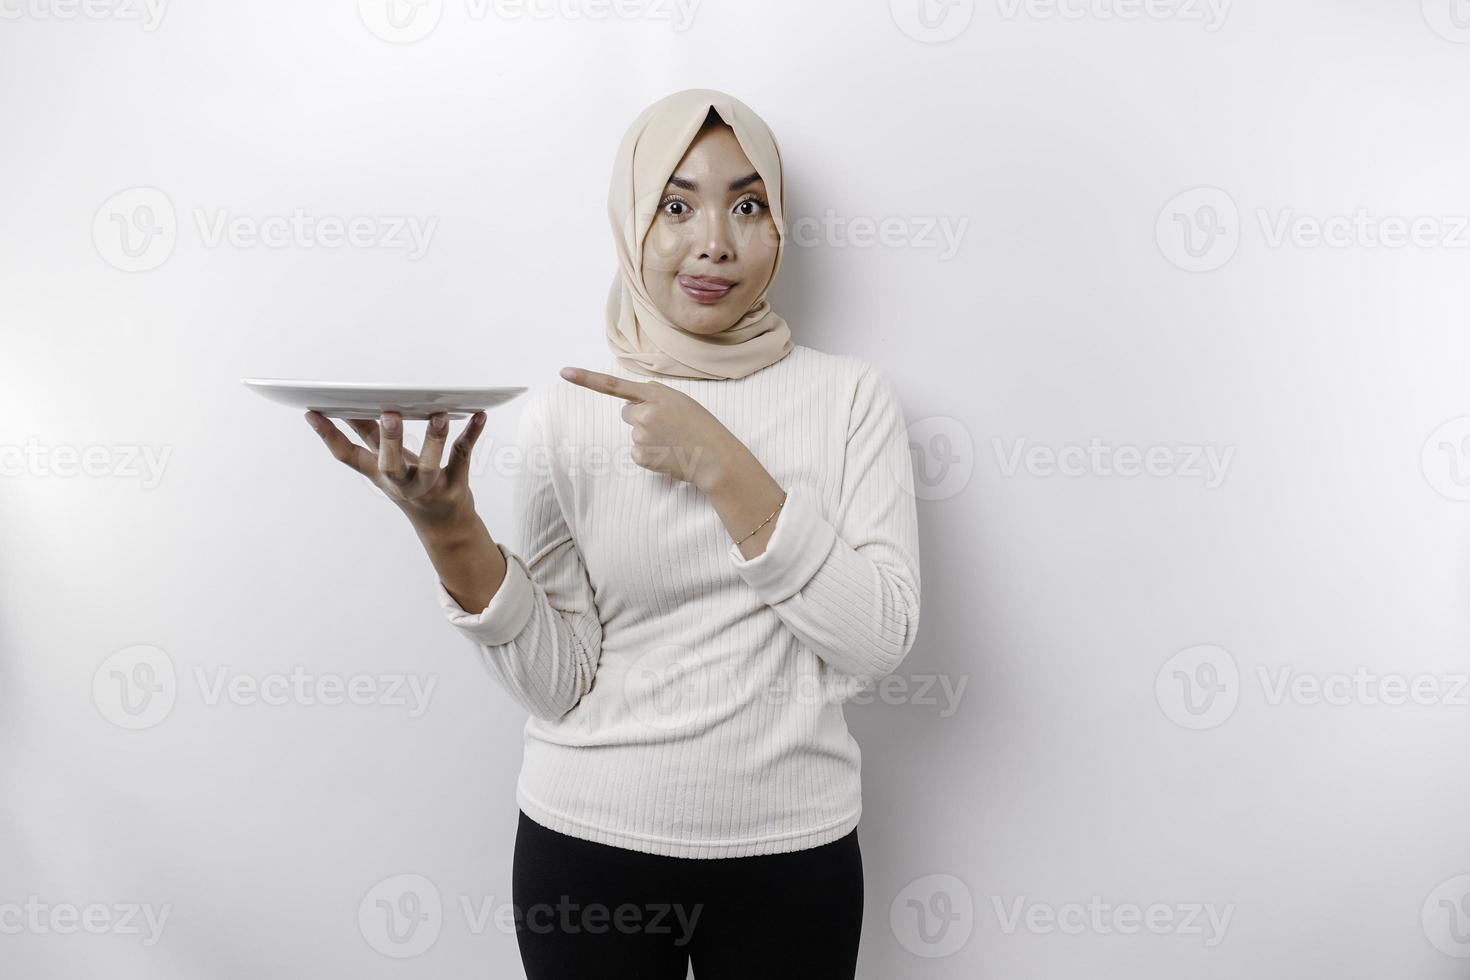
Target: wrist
<point>450,531</point>
<point>723,472</point>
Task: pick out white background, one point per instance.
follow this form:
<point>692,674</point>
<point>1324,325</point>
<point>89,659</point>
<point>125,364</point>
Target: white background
<point>1082,762</point>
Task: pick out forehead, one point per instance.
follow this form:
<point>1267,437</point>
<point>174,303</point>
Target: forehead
<point>715,153</point>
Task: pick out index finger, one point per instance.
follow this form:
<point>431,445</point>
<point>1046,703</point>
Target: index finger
<point>633,391</point>
<point>344,449</point>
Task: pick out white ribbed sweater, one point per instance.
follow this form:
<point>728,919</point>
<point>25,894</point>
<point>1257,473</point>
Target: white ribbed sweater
<point>685,701</point>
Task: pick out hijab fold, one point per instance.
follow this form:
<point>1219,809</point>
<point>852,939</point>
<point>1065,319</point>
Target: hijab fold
<point>640,336</point>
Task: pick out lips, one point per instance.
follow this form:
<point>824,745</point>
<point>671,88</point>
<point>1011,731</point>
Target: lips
<point>706,289</point>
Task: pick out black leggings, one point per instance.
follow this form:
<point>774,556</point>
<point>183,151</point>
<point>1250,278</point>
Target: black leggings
<point>589,910</point>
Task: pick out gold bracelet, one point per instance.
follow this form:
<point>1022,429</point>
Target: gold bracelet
<point>766,521</point>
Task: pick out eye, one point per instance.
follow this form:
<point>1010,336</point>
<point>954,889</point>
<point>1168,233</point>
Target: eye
<point>674,199</point>
<point>676,207</point>
<point>759,204</point>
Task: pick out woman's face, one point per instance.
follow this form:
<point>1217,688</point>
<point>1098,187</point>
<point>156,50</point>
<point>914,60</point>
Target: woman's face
<point>712,245</point>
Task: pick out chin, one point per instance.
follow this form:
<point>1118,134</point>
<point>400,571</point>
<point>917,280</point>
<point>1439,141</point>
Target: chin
<point>697,318</point>
<point>704,319</point>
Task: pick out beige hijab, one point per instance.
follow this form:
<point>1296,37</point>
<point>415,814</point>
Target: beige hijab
<point>641,338</point>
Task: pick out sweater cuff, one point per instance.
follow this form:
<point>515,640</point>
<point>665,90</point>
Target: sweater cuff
<point>509,609</point>
<point>797,548</point>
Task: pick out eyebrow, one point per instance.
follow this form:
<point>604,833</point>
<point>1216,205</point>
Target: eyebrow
<point>736,185</point>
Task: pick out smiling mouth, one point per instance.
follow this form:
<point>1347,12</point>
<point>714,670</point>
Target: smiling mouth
<point>703,290</point>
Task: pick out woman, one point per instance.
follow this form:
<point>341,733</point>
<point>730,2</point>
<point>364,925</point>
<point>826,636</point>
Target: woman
<point>683,630</point>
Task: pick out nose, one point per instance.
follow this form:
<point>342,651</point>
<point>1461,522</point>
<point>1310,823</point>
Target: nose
<point>719,240</point>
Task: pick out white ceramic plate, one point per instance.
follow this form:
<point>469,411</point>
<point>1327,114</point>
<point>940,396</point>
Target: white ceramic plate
<point>368,400</point>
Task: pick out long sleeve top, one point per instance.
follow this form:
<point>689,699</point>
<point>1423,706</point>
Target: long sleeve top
<point>685,700</point>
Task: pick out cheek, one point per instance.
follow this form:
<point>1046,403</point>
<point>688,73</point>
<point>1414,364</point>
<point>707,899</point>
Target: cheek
<point>759,240</point>
<point>761,255</point>
<point>661,251</point>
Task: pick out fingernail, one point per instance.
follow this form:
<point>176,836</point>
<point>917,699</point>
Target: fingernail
<point>313,422</point>
<point>569,373</point>
<point>390,423</point>
<point>437,423</point>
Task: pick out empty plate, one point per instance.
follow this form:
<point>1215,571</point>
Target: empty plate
<point>369,400</point>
